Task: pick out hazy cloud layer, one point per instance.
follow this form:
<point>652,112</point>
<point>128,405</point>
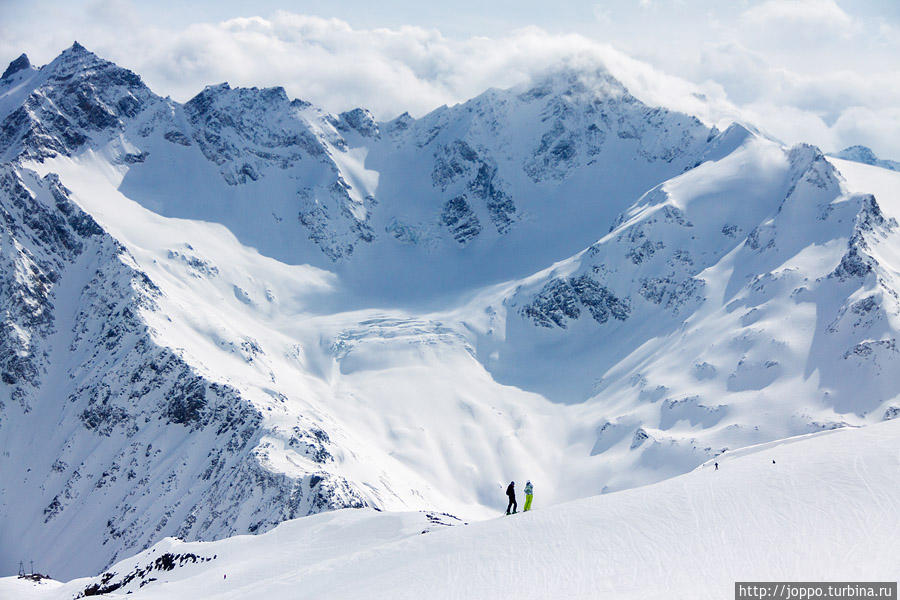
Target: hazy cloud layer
<point>722,77</point>
<point>820,17</point>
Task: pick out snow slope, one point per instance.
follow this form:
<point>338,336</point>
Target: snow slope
<point>822,507</point>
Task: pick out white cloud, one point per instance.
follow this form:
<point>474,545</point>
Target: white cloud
<point>328,62</point>
<point>791,124</point>
<point>749,77</point>
<point>880,128</point>
<point>819,16</point>
<point>416,69</point>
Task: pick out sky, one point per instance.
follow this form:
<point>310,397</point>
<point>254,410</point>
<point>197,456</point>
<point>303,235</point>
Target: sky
<point>825,72</point>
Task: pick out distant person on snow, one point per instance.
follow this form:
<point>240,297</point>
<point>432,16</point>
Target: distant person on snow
<point>511,492</point>
<point>529,494</point>
<point>717,466</point>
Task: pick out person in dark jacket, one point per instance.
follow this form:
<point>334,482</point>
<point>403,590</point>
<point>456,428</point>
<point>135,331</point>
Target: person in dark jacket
<point>511,492</point>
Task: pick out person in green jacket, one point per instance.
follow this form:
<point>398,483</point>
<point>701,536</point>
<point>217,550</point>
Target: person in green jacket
<point>529,494</point>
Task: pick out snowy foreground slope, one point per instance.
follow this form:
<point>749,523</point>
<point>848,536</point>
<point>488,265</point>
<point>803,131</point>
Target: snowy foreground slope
<point>228,313</point>
<point>826,509</point>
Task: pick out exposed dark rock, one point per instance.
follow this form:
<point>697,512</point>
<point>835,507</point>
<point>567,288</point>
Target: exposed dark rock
<point>461,220</point>
<point>359,120</point>
<point>561,299</point>
<point>176,137</point>
<point>458,162</point>
<point>110,581</point>
<point>15,66</point>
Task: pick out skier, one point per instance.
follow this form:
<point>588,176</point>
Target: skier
<point>529,494</point>
<point>511,492</point>
<point>717,466</point>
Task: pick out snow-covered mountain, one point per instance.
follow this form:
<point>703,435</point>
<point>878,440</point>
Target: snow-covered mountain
<point>865,155</point>
<point>223,314</point>
<point>749,299</point>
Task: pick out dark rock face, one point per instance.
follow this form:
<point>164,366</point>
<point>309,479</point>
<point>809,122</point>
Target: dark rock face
<point>857,262</point>
<point>556,153</point>
<point>15,66</point>
<point>176,137</point>
<point>41,238</point>
<point>487,187</point>
<point>330,220</point>
<point>186,401</point>
<point>459,218</point>
<point>233,128</point>
<point>671,292</point>
<point>359,120</point>
<point>562,299</point>
<point>452,162</point>
<point>475,173</point>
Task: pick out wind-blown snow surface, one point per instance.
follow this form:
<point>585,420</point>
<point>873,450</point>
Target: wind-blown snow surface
<point>224,314</point>
<point>822,507</point>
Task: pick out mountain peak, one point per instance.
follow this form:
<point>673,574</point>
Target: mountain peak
<point>76,50</point>
<point>360,120</point>
<point>865,155</point>
<point>77,60</point>
<point>17,65</point>
<point>859,153</point>
<point>80,63</point>
<point>222,94</point>
<point>572,82</point>
<point>77,95</point>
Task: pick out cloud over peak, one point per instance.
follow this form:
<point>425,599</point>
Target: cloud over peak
<point>390,70</point>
